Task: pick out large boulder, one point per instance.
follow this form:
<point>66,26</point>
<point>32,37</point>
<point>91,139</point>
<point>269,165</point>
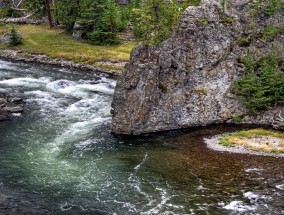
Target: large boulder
<point>186,80</point>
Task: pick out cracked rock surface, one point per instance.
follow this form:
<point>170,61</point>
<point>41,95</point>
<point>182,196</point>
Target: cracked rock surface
<point>186,80</point>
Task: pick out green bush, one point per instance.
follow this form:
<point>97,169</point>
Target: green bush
<point>269,32</point>
<point>273,6</point>
<point>15,38</point>
<point>262,86</point>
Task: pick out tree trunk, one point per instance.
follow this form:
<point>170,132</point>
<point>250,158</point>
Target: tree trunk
<point>49,14</point>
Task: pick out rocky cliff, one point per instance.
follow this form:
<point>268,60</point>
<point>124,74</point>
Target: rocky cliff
<point>186,80</point>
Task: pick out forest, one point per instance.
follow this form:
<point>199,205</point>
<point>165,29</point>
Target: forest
<point>152,21</point>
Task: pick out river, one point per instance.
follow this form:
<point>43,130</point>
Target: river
<point>59,157</point>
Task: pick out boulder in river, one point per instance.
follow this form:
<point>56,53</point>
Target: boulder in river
<point>186,80</point>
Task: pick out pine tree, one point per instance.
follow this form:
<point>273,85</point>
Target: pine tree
<point>15,38</point>
<point>41,8</point>
<point>154,20</point>
<point>107,26</point>
<point>262,87</point>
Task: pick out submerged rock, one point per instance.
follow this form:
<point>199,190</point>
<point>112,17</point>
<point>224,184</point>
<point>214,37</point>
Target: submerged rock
<point>186,80</point>
<point>10,105</point>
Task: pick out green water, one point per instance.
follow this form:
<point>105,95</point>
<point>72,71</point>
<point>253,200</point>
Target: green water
<point>59,157</point>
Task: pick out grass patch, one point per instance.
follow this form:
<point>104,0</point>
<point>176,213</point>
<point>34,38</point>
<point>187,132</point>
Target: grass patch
<point>55,43</point>
<point>259,140</point>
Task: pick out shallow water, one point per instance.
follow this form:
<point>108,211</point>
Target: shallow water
<point>59,157</point>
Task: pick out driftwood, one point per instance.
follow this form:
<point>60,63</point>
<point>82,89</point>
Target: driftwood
<point>23,20</point>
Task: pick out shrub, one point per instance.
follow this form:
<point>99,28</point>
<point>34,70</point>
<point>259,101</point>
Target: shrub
<point>15,38</point>
<point>269,32</point>
<point>273,7</point>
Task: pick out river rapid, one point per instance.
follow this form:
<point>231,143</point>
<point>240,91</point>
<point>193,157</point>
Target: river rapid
<point>59,157</point>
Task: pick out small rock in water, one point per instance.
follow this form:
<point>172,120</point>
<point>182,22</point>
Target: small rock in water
<point>16,100</point>
<point>3,101</point>
<point>16,109</point>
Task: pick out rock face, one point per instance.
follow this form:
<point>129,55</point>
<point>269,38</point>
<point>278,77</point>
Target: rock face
<point>185,81</point>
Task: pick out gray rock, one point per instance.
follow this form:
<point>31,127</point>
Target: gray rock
<point>6,38</point>
<point>185,81</point>
<point>16,109</point>
<point>81,29</point>
<point>16,100</point>
<point>3,101</point>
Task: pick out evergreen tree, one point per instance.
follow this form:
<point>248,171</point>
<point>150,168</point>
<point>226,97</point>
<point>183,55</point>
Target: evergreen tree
<point>155,19</point>
<point>262,86</point>
<point>15,38</point>
<point>67,12</point>
<point>107,26</point>
<point>41,8</point>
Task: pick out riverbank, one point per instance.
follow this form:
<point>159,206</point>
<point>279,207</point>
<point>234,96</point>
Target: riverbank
<point>255,142</point>
<point>54,47</point>
<point>22,56</point>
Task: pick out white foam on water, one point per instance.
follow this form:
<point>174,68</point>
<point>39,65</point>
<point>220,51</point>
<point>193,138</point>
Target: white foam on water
<point>45,100</point>
<point>99,88</point>
<point>201,187</point>
<point>6,65</point>
<point>38,93</point>
<point>251,196</point>
<point>239,206</point>
<point>61,87</point>
<point>76,90</point>
<point>24,82</point>
<point>280,186</point>
<point>16,114</point>
<point>163,203</point>
<point>80,130</point>
<point>254,170</point>
<point>86,106</point>
<point>111,83</point>
<point>142,162</point>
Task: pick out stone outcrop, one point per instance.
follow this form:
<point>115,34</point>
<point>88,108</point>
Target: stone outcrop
<point>10,105</point>
<point>186,80</point>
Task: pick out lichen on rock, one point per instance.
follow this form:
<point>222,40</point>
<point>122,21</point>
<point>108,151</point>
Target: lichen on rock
<point>186,80</point>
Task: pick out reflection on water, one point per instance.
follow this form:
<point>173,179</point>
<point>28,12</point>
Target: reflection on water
<point>60,158</point>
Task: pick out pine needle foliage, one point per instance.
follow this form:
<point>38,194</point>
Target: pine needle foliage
<point>262,86</point>
<point>15,38</point>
